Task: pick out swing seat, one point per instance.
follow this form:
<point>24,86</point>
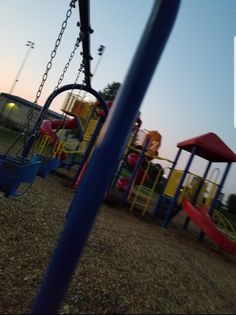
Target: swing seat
<point>47,164</point>
<point>15,171</point>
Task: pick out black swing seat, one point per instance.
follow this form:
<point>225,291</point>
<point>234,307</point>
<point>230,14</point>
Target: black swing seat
<point>14,171</point>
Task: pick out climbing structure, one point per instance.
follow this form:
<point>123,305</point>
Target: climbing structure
<point>210,147</point>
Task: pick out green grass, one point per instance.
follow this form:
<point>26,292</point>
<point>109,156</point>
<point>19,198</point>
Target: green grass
<point>9,136</point>
<point>231,217</point>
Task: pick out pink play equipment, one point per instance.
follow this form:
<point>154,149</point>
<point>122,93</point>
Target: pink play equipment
<point>49,127</point>
<point>148,143</point>
<point>123,182</point>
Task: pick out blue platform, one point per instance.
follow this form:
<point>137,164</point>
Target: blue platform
<point>47,164</point>
<point>15,171</point>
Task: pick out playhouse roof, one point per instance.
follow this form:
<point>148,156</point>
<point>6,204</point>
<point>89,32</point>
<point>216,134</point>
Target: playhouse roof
<point>210,147</point>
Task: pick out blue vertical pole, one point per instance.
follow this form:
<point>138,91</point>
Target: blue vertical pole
<point>197,193</point>
<point>109,147</point>
<point>214,202</point>
<point>221,185</point>
<point>174,200</point>
<point>159,202</point>
<point>119,169</point>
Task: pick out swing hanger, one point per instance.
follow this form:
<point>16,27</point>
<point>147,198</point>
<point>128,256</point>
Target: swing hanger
<point>78,40</point>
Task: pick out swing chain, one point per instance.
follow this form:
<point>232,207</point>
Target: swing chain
<point>78,40</point>
<point>75,82</point>
<point>48,67</point>
<point>54,51</point>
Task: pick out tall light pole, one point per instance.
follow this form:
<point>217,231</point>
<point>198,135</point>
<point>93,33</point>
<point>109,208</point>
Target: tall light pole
<point>30,46</point>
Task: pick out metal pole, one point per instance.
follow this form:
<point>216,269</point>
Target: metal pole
<point>101,50</point>
<point>212,207</point>
<point>159,202</point>
<point>29,44</point>
<point>185,226</point>
<point>110,144</point>
<point>85,30</point>
<point>174,200</point>
<point>214,202</point>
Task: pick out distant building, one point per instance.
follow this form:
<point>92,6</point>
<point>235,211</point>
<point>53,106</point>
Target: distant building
<point>14,111</point>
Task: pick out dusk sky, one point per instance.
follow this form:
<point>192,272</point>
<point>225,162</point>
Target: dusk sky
<point>192,90</point>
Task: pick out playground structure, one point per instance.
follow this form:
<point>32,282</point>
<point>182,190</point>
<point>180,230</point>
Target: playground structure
<point>148,145</point>
<point>53,151</point>
<point>53,147</point>
<point>199,199</point>
<point>101,164</point>
<point>50,149</point>
<point>202,219</point>
<point>183,190</point>
<point>107,152</point>
<point>137,163</point>
<point>210,147</point>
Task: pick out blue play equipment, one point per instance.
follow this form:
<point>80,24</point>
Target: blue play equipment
<point>47,164</point>
<point>88,197</point>
<point>15,171</point>
<point>46,106</point>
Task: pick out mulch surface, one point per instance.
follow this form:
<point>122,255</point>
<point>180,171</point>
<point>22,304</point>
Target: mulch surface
<point>129,265</point>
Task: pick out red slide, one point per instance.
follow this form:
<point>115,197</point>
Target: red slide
<point>47,127</point>
<point>50,126</point>
<point>132,160</point>
<point>201,218</point>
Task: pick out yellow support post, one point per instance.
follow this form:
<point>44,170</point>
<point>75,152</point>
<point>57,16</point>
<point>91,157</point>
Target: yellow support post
<point>211,193</point>
<point>42,144</point>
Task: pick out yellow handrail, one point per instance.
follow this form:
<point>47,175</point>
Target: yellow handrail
<point>224,225</point>
<point>149,191</point>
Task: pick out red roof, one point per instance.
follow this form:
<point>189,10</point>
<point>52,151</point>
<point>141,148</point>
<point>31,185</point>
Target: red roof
<point>210,147</point>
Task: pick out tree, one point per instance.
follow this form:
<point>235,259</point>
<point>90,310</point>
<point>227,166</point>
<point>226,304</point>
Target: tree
<point>231,203</point>
<point>110,91</point>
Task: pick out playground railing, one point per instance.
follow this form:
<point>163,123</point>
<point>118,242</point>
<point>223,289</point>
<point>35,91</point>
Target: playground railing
<point>145,197</point>
<point>224,225</point>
